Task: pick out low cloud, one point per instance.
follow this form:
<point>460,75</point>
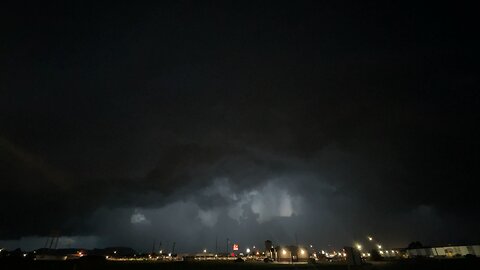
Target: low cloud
<point>208,218</point>
<point>139,218</point>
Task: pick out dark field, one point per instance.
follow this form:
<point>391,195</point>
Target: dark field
<point>398,265</point>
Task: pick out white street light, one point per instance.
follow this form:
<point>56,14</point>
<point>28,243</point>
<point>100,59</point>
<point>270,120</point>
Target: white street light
<point>247,250</point>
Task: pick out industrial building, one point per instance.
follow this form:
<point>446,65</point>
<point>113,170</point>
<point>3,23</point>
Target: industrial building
<point>286,254</point>
<point>291,254</point>
<point>444,251</point>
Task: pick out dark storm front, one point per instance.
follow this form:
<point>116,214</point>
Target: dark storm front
<point>167,132</point>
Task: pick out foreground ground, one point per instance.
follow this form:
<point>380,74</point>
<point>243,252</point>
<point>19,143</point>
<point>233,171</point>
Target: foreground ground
<point>398,265</point>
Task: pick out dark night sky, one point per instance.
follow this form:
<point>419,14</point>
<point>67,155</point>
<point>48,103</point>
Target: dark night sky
<point>189,120</point>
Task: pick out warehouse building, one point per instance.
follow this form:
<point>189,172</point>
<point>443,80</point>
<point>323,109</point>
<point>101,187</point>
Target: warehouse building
<point>445,251</point>
<point>291,254</point>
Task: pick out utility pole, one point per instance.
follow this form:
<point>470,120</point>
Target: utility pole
<point>56,241</point>
<point>228,243</point>
<point>51,243</point>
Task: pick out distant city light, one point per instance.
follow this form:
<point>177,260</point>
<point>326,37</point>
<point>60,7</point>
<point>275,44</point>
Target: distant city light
<point>359,247</point>
<point>379,246</point>
<point>370,238</point>
<point>204,251</point>
<point>247,250</point>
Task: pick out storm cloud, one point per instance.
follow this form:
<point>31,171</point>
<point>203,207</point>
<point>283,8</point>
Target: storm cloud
<point>189,122</point>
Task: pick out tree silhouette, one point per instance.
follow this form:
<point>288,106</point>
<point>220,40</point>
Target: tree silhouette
<point>415,244</point>
<point>375,255</point>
